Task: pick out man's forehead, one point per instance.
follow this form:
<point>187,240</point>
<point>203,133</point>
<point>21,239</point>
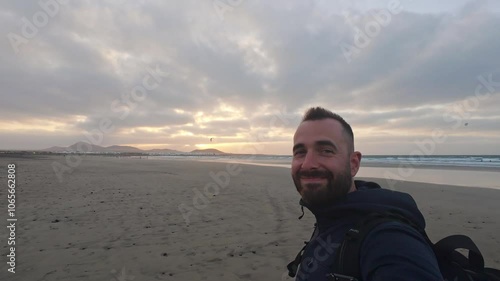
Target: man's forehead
<point>323,126</point>
<point>318,132</point>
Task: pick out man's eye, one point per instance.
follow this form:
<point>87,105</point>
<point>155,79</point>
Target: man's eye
<point>299,152</point>
<point>328,151</point>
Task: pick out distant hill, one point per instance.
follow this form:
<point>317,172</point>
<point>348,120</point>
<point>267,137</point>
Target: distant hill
<point>56,149</point>
<point>78,147</point>
<point>84,147</point>
<point>122,148</point>
<point>209,150</point>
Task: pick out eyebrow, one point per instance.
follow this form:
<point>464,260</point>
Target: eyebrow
<point>297,146</point>
<point>327,143</point>
<point>317,143</point>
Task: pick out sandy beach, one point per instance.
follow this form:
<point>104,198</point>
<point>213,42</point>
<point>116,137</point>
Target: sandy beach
<point>138,219</point>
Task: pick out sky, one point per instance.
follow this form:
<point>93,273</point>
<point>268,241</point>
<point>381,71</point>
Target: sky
<point>409,76</point>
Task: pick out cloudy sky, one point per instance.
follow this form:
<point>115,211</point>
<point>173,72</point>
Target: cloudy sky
<point>173,74</point>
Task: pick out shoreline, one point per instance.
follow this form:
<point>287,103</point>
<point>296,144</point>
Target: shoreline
<point>280,163</point>
<point>428,166</point>
<point>483,177</point>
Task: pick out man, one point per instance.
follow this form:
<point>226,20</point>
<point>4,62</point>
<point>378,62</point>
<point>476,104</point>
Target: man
<point>323,168</point>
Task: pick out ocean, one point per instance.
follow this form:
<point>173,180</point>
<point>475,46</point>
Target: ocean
<point>464,161</point>
<point>461,170</point>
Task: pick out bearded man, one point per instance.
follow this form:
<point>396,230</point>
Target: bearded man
<point>323,168</point>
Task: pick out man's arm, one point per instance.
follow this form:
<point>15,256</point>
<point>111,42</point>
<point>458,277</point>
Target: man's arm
<point>396,251</point>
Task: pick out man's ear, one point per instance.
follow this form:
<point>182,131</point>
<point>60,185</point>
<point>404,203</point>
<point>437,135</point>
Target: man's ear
<point>355,162</point>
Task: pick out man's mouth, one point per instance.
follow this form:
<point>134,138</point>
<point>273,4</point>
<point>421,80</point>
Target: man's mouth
<point>312,179</point>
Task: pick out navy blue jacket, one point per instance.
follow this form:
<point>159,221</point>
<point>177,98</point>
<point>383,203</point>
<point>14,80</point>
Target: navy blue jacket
<point>392,251</point>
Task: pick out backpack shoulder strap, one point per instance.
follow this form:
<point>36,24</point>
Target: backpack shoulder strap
<point>445,250</point>
<point>455,266</point>
<point>348,254</point>
<point>293,266</point>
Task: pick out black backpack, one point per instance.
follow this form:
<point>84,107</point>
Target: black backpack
<point>453,265</point>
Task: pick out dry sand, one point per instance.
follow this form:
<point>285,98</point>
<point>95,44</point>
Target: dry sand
<point>118,219</point>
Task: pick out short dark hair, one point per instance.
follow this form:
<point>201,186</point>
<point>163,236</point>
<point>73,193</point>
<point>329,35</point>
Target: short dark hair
<point>319,113</point>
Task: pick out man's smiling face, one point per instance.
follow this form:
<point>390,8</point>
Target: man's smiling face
<point>322,162</point>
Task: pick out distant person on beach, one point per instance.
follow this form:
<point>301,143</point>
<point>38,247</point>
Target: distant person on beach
<point>323,168</point>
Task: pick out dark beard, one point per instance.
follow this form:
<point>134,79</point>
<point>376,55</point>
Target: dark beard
<point>317,195</point>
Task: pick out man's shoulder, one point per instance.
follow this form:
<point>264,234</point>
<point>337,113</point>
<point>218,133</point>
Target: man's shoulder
<point>375,188</point>
<point>396,242</point>
<point>395,248</point>
<point>380,199</point>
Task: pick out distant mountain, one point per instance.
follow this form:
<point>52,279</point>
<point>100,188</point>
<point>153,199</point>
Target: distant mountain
<point>87,147</point>
<point>84,147</point>
<point>56,149</point>
<point>209,150</point>
<point>122,148</point>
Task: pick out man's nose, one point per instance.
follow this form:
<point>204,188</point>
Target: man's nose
<point>310,161</point>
